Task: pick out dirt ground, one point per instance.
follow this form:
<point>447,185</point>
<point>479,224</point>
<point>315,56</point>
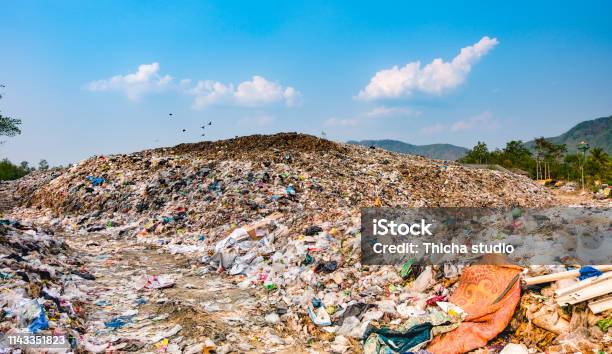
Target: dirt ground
<point>205,306</point>
<point>579,198</point>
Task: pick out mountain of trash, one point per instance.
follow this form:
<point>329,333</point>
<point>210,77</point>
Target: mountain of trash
<point>249,176</point>
<point>278,217</point>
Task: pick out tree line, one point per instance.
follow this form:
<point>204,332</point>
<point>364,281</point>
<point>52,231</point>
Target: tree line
<point>547,161</point>
<point>10,171</point>
<point>10,127</point>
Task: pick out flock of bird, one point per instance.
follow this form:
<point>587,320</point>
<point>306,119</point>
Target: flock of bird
<point>202,127</point>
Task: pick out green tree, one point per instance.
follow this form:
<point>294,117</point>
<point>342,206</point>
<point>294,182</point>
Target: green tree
<point>43,165</point>
<point>597,166</point>
<point>8,171</point>
<point>515,154</point>
<point>9,126</point>
<point>549,157</point>
<point>479,154</point>
<point>599,155</point>
<point>570,168</point>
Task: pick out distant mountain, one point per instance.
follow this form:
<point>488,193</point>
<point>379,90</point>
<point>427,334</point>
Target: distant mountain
<point>433,151</point>
<point>596,132</point>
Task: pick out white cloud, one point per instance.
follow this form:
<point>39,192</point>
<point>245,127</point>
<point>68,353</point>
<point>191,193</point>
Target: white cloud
<point>257,92</point>
<point>434,78</point>
<point>135,85</point>
<point>210,92</point>
<point>292,96</point>
<point>480,122</point>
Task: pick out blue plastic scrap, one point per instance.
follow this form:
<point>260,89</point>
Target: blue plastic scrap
<point>214,186</point>
<point>95,181</point>
<point>588,272</point>
<point>40,323</point>
<point>118,322</point>
<point>290,190</point>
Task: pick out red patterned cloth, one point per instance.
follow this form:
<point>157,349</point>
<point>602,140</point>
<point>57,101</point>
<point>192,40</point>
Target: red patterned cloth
<point>479,294</point>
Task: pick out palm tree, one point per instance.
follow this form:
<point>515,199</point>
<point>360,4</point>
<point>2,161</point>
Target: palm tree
<point>599,156</point>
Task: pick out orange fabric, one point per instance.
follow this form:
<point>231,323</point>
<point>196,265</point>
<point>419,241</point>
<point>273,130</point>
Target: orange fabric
<point>479,287</point>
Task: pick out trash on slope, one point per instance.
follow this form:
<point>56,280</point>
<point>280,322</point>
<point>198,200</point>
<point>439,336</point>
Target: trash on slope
<point>281,219</point>
<point>36,278</point>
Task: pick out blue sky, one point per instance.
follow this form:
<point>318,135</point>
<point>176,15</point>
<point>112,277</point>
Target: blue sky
<point>102,77</point>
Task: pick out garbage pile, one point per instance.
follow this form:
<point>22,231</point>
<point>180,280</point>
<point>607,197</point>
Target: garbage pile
<point>38,291</point>
<point>280,215</point>
<point>210,185</point>
<point>566,311</point>
<point>569,187</point>
<point>604,192</point>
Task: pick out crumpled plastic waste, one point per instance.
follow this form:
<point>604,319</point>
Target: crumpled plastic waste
<point>423,281</point>
<point>164,200</point>
<point>326,267</point>
<point>354,310</point>
<point>155,282</point>
<point>319,316</point>
<point>512,348</point>
<point>385,340</point>
<point>95,181</point>
<point>312,230</point>
<point>40,322</point>
<point>118,322</point>
<point>588,272</point>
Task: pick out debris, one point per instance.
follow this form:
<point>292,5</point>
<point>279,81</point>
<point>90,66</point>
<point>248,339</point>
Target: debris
<point>561,275</point>
<point>512,348</point>
<point>272,318</point>
<point>155,282</point>
<point>312,230</point>
<point>488,309</point>
<point>423,281</point>
<point>406,270</point>
<point>585,290</point>
<point>548,318</point>
<point>40,322</point>
<point>604,324</point>
<point>95,181</point>
<point>279,266</point>
<point>326,267</point>
<point>383,340</point>
<point>588,272</point>
<point>320,317</point>
<point>601,305</point>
